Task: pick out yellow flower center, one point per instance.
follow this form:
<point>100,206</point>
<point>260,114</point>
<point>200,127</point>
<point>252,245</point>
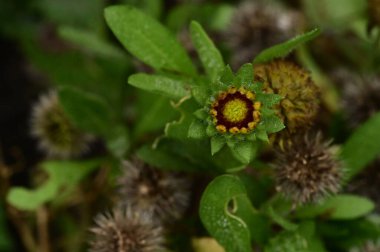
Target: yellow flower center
<point>235,110</point>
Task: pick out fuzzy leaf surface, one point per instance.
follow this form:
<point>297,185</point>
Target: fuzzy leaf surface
<point>148,40</point>
<point>283,49</point>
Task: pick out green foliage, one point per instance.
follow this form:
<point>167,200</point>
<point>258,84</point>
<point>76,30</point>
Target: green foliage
<point>169,87</point>
<point>283,49</point>
<point>90,42</point>
<point>362,147</point>
<point>287,241</point>
<point>6,242</point>
<point>210,56</point>
<point>329,13</point>
<point>63,177</point>
<point>230,230</point>
<point>148,40</point>
<point>339,207</point>
<point>91,114</point>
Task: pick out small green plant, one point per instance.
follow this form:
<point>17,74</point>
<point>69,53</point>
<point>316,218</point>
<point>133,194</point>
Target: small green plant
<point>166,147</point>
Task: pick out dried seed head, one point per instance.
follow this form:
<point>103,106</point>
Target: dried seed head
<point>300,104</point>
<point>369,246</point>
<point>235,111</point>
<point>307,169</point>
<point>374,12</point>
<point>164,194</point>
<point>360,95</point>
<point>125,230</point>
<point>55,133</point>
<point>366,183</point>
<point>256,26</point>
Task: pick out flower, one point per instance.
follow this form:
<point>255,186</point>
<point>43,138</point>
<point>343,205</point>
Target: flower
<point>126,230</point>
<point>56,135</point>
<point>307,169</point>
<point>360,95</point>
<point>235,111</point>
<point>300,104</point>
<point>256,26</point>
<point>166,195</point>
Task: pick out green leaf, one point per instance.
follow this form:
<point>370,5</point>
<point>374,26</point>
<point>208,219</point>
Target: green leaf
<point>287,241</point>
<point>201,114</point>
<point>244,151</point>
<point>330,14</point>
<point>273,124</point>
<point>228,229</point>
<point>339,207</point>
<point>91,42</point>
<point>244,76</point>
<point>63,175</point>
<point>280,220</point>
<point>283,49</point>
<point>227,77</point>
<point>179,129</point>
<point>362,147</point>
<point>269,99</point>
<point>210,56</point>
<point>172,88</point>
<point>88,112</point>
<point>197,129</point>
<point>164,160</point>
<point>217,143</point>
<point>148,40</point>
<point>118,141</point>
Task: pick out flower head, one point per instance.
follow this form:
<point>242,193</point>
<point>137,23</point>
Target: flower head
<point>164,194</point>
<point>307,169</point>
<point>57,136</point>
<point>126,230</point>
<point>236,111</point>
<point>300,104</point>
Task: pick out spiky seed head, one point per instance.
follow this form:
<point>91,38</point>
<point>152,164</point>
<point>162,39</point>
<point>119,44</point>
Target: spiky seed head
<point>300,104</point>
<point>366,183</point>
<point>307,169</point>
<point>56,135</point>
<point>125,230</point>
<point>374,13</point>
<point>256,26</point>
<point>360,95</point>
<point>164,194</point>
